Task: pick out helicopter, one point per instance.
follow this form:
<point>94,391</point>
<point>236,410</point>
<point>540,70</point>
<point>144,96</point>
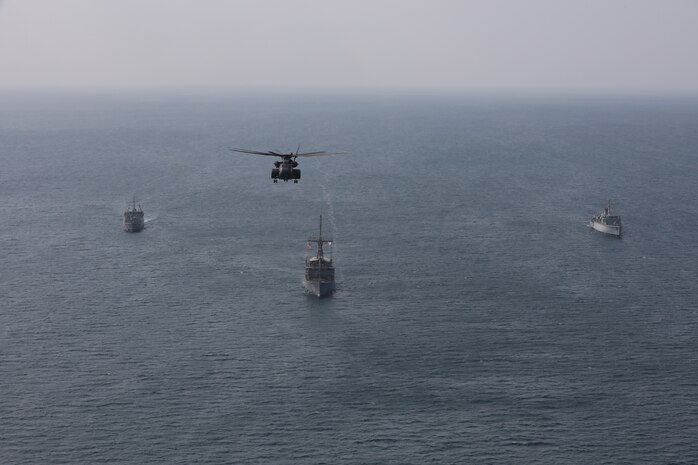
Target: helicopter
<point>286,168</point>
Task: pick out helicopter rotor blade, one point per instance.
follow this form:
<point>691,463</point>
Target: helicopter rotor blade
<point>272,153</point>
<point>318,154</point>
<point>254,152</point>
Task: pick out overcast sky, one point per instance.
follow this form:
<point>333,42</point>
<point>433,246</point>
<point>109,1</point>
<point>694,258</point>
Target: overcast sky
<point>537,45</point>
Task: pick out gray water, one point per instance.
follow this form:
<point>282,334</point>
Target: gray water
<point>477,319</point>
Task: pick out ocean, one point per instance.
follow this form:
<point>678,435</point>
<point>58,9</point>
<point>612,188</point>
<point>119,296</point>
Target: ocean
<point>478,319</point>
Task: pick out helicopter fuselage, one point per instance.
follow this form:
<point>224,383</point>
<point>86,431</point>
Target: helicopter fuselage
<point>286,170</point>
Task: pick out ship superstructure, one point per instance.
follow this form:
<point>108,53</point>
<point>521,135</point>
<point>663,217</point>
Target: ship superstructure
<point>606,222</point>
<point>319,270</point>
<point>134,218</point>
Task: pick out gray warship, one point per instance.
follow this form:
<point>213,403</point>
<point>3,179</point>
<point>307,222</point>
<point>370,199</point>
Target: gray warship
<point>319,271</point>
<point>134,218</point>
<point>606,222</point>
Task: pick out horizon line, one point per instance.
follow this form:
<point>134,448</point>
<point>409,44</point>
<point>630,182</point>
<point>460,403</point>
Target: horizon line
<point>357,90</point>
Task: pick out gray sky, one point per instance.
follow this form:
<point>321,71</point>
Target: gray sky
<point>529,45</point>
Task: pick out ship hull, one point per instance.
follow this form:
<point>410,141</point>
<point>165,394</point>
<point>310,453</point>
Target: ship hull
<point>607,229</point>
<point>134,221</point>
<point>319,288</point>
<point>132,228</point>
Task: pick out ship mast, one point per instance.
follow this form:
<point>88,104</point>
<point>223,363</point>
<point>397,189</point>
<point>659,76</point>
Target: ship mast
<point>319,242</point>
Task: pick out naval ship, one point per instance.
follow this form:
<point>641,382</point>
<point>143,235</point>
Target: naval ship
<point>319,272</point>
<point>134,219</point>
<point>607,222</point>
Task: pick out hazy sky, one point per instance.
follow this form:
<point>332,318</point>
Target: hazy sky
<point>539,45</point>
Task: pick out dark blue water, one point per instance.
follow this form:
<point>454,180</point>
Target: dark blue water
<point>477,318</point>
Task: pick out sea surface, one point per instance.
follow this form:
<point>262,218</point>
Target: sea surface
<point>478,319</point>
